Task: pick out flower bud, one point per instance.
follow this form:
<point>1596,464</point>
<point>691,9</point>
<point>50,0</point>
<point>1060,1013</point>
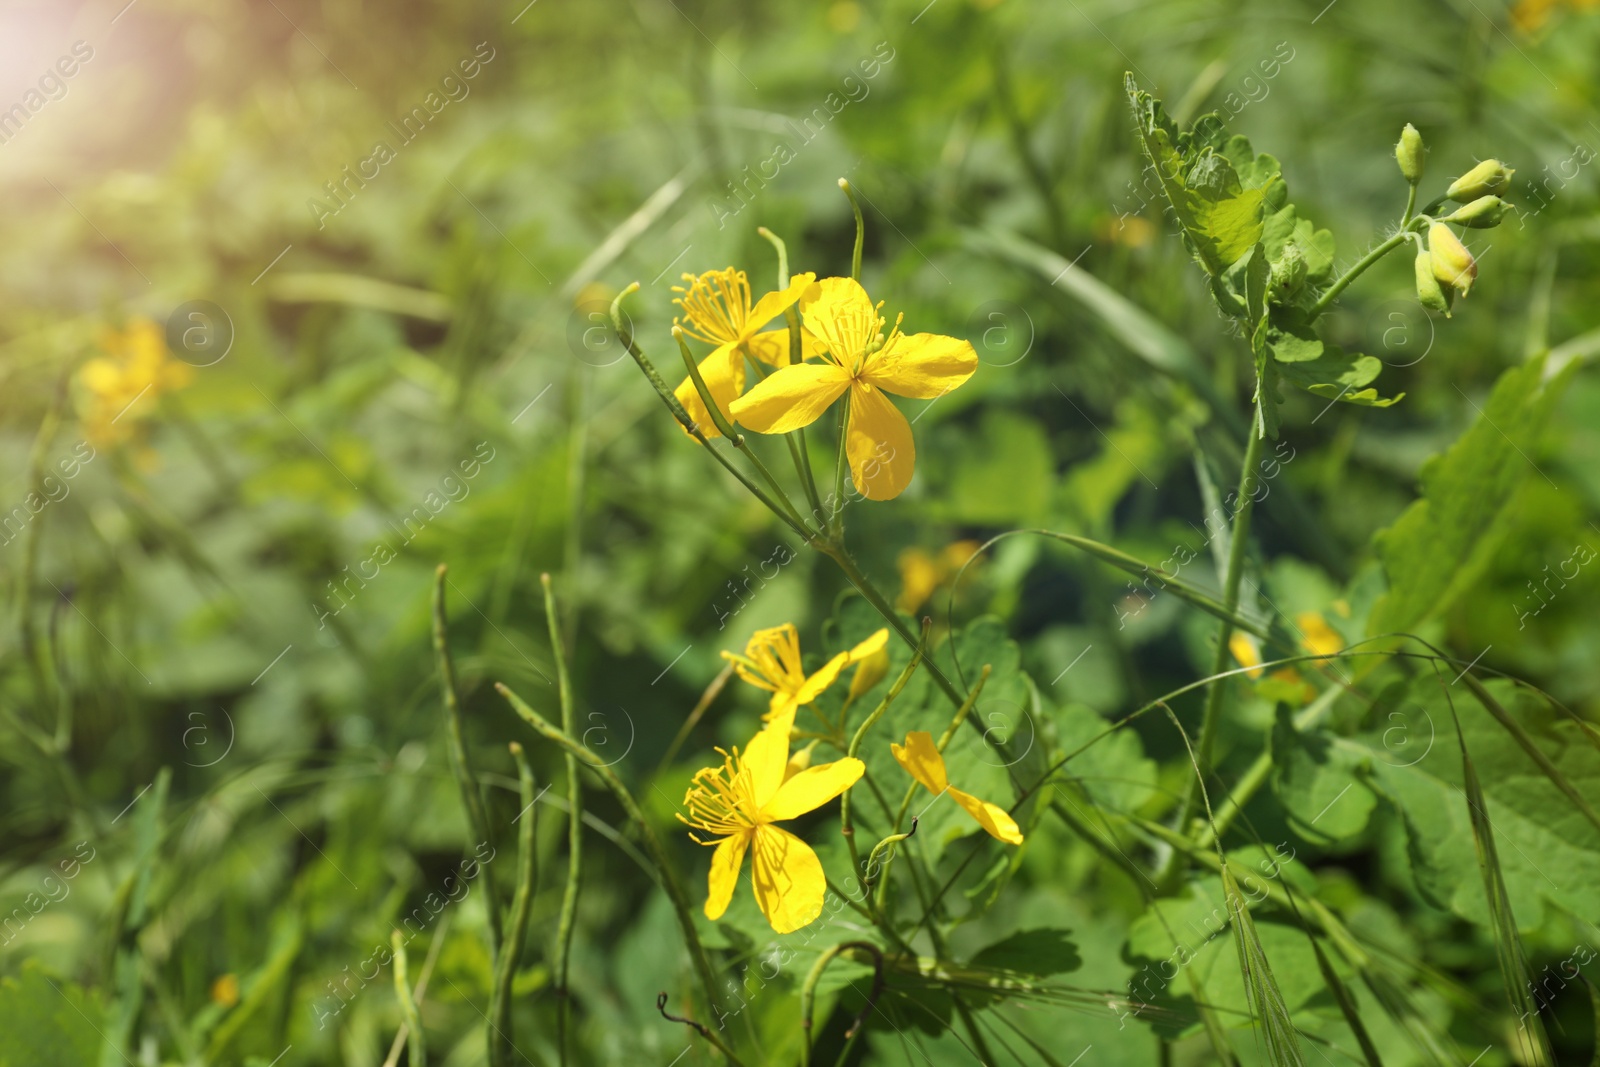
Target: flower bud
<point>1408,153</point>
<point>1489,177</point>
<point>1483,213</point>
<point>1429,292</point>
<point>1288,276</point>
<point>1453,265</point>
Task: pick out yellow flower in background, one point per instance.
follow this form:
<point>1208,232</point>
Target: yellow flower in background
<point>135,366</point>
<point>771,661</point>
<point>1530,15</point>
<point>864,363</point>
<point>717,310</point>
<point>1247,650</point>
<point>225,991</point>
<point>739,803</point>
<point>922,573</point>
<point>922,760</point>
<point>1316,635</point>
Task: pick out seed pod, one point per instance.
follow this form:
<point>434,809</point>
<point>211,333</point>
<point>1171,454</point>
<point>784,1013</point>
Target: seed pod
<point>1484,213</point>
<point>1453,265</point>
<point>1429,292</point>
<point>1491,177</point>
<point>1408,153</point>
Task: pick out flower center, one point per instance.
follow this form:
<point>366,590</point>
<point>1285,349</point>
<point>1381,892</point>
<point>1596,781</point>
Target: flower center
<point>716,305</point>
<point>721,800</point>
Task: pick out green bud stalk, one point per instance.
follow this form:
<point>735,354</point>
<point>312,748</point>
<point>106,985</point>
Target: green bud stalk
<point>1452,264</point>
<point>1408,153</point>
<point>1429,292</point>
<point>1484,213</point>
<point>1489,178</point>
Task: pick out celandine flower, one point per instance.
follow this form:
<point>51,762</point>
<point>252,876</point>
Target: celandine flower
<point>136,362</point>
<point>717,309</point>
<point>862,361</point>
<point>922,760</point>
<point>739,803</point>
<point>771,661</point>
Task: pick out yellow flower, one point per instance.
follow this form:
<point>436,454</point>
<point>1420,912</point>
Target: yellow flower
<point>922,760</point>
<point>740,801</point>
<point>771,661</point>
<point>136,367</point>
<point>1247,650</point>
<point>225,991</point>
<point>717,309</point>
<point>921,573</point>
<point>860,360</point>
<point>1316,635</point>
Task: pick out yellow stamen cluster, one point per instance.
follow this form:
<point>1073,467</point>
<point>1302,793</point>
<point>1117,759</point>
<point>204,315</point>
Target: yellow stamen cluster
<point>715,305</point>
<point>720,800</point>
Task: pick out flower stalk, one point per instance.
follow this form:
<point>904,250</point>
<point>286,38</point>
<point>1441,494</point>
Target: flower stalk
<point>569,897</point>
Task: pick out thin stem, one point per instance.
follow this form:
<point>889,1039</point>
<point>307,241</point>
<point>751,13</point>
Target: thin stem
<point>501,1044</point>
<point>836,516</point>
<point>1411,205</point>
<point>846,823</point>
<point>417,1050</point>
<point>1232,577</point>
<point>861,230</point>
<point>669,878</point>
<point>569,897</point>
<point>725,427</point>
<point>679,413</point>
<point>471,798</point>
<point>1344,280</point>
<point>796,438</point>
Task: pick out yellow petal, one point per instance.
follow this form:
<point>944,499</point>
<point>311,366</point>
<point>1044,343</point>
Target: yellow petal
<point>787,877</point>
<point>870,670</point>
<point>725,864</point>
<point>772,347</point>
<point>773,304</point>
<point>781,705</point>
<point>765,758</point>
<point>840,313</point>
<point>1316,635</point>
<point>799,761</point>
<point>882,453</point>
<point>921,759</point>
<point>992,817</point>
<point>723,373</point>
<point>923,365</point>
<point>814,685</point>
<point>1244,649</point>
<point>871,646</point>
<point>812,788</point>
<point>791,398</point>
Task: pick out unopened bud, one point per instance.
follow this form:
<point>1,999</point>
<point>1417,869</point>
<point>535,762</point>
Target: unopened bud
<point>1429,292</point>
<point>1288,276</point>
<point>1491,177</point>
<point>1453,265</point>
<point>1483,213</point>
<point>1408,153</point>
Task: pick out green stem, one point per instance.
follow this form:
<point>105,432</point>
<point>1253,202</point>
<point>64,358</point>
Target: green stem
<point>725,427</point>
<point>861,230</point>
<point>417,1047</point>
<point>684,420</point>
<point>846,823</point>
<point>1411,205</point>
<point>1256,776</point>
<point>796,439</point>
<point>1238,548</point>
<point>569,897</point>
<point>501,1045</point>
<point>471,798</point>
<point>663,862</point>
<point>1356,271</point>
<point>836,515</point>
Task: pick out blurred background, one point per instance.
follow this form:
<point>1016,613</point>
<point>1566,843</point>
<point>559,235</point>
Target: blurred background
<point>303,298</point>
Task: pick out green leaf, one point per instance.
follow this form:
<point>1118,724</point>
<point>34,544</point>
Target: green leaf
<point>47,1020</point>
<point>1549,852</point>
<point>1220,218</point>
<point>1317,781</point>
<point>1439,546</point>
<point>1037,952</point>
<point>1339,375</point>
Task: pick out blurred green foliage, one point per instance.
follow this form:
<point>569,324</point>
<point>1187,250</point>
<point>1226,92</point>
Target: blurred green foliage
<point>216,676</point>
